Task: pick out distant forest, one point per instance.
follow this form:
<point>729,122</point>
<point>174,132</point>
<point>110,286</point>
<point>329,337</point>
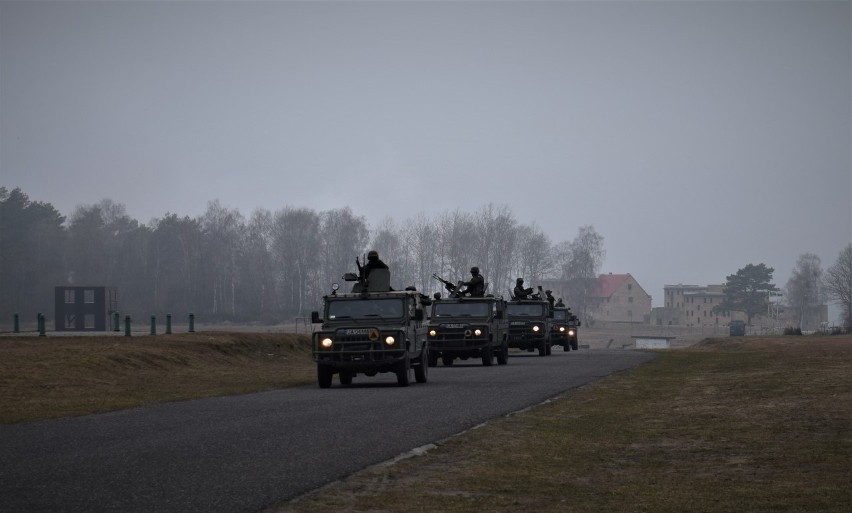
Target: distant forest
<point>269,268</point>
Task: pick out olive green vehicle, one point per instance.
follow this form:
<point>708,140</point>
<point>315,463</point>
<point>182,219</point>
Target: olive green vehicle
<point>372,329</point>
<point>529,324</point>
<point>468,327</point>
<point>564,328</point>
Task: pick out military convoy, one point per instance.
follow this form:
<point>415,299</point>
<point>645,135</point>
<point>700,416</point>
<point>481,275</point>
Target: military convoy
<point>370,330</point>
<point>374,329</point>
<point>564,328</point>
<point>467,327</point>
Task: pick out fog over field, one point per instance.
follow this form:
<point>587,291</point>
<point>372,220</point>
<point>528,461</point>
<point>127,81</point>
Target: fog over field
<point>695,137</point>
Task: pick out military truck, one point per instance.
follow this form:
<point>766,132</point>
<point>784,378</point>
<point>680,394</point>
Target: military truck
<point>529,324</point>
<point>468,327</point>
<point>369,330</point>
<point>564,328</point>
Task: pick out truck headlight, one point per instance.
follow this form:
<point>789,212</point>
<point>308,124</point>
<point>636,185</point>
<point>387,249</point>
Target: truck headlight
<point>389,340</point>
<point>477,332</point>
<point>433,333</point>
<point>570,333</point>
<point>326,343</point>
<point>561,328</point>
<point>535,329</point>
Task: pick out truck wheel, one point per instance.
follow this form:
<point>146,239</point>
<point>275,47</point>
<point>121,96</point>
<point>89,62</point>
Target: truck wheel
<point>549,349</point>
<point>421,371</point>
<point>542,348</point>
<point>345,377</point>
<point>447,360</point>
<point>503,355</point>
<point>566,346</point>
<point>487,356</point>
<point>574,345</point>
<point>324,375</point>
<point>402,373</point>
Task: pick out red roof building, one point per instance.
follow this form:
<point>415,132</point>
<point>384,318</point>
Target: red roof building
<point>620,298</point>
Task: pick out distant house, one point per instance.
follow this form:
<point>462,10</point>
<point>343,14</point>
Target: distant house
<point>620,298</point>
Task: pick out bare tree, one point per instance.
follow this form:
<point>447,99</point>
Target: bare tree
<point>534,260</point>
<point>295,250</point>
<point>343,236</point>
<point>582,259</point>
<point>458,237</point>
<point>838,283</point>
<point>420,239</point>
<point>222,231</point>
<point>496,230</point>
<point>804,288</point>
<point>388,241</point>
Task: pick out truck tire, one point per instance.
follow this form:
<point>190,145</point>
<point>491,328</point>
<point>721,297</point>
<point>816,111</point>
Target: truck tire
<point>503,355</point>
<point>487,356</point>
<point>447,360</point>
<point>324,375</point>
<point>542,348</point>
<point>402,373</point>
<point>345,377</point>
<point>421,371</point>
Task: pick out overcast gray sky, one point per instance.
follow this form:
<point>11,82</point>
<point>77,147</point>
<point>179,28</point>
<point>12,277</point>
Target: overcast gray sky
<point>695,136</point>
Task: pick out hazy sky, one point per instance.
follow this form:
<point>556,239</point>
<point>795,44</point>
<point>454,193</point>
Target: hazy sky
<point>696,137</point>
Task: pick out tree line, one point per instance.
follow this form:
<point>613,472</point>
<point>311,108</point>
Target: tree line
<point>269,267</point>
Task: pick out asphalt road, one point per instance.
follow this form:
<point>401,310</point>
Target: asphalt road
<point>244,453</point>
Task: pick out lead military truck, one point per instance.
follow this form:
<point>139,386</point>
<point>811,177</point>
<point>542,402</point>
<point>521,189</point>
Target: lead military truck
<point>468,327</point>
<point>370,330</point>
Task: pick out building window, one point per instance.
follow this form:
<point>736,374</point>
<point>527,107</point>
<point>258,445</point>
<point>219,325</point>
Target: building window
<point>629,286</point>
<point>89,296</point>
<point>89,321</point>
<point>69,296</point>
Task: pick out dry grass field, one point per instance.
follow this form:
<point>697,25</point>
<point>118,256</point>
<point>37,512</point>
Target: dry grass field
<point>56,376</point>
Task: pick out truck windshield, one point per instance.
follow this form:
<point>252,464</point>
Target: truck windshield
<point>560,315</point>
<point>461,309</point>
<point>522,310</point>
<point>365,308</point>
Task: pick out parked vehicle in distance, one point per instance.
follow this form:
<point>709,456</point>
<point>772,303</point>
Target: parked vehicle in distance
<point>737,328</point>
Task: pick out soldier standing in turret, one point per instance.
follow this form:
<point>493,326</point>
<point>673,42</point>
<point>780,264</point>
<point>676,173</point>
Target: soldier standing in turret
<point>373,262</point>
<point>520,292</point>
<point>476,286</point>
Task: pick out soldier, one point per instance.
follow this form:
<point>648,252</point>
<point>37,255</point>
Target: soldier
<point>476,286</point>
<point>550,298</point>
<point>559,302</point>
<point>373,262</point>
<point>520,292</point>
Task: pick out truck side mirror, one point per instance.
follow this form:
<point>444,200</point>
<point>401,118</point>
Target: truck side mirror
<point>315,318</point>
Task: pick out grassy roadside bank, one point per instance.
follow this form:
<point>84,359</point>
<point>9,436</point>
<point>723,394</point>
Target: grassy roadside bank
<point>739,425</point>
<point>58,376</point>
